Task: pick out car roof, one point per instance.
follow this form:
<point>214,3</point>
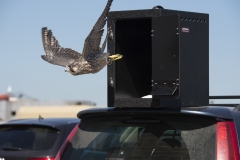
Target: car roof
<point>50,122</point>
<point>205,111</point>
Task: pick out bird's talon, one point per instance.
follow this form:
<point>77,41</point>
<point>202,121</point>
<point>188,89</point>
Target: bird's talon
<point>115,57</point>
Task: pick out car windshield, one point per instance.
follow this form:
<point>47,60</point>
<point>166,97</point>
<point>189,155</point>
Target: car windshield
<point>143,138</point>
<point>22,137</point>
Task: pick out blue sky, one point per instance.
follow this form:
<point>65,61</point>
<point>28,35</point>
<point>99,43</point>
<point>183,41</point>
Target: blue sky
<point>71,21</point>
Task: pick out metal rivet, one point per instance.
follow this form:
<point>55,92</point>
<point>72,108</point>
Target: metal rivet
<point>111,81</point>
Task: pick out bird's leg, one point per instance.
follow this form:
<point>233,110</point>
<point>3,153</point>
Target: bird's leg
<point>109,35</point>
<point>114,58</point>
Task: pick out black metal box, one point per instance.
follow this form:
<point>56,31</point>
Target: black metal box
<point>165,55</point>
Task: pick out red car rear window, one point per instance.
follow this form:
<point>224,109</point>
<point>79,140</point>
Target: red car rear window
<point>183,138</point>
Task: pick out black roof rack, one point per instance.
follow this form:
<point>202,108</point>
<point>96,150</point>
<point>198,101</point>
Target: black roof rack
<point>224,97</point>
<point>237,106</point>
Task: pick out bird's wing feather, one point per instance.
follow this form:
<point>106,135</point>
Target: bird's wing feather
<point>56,54</point>
<point>92,42</point>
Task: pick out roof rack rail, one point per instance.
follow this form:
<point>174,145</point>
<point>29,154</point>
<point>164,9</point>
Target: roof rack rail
<point>237,106</point>
<point>224,97</point>
<point>225,105</point>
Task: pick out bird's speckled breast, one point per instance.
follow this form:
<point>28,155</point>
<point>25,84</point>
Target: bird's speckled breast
<point>90,67</point>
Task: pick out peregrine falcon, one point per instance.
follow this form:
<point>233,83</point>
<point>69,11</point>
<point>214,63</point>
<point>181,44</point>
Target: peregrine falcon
<point>92,59</point>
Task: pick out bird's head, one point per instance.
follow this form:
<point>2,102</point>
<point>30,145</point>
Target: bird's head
<point>71,69</point>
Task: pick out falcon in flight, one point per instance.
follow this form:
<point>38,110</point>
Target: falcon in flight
<point>92,59</point>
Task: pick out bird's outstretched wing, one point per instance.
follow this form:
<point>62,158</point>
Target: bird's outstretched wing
<point>56,54</point>
<point>92,42</point>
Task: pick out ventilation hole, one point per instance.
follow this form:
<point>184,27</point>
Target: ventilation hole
<point>193,19</point>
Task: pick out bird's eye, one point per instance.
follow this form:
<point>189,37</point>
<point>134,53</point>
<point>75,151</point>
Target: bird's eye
<point>71,68</point>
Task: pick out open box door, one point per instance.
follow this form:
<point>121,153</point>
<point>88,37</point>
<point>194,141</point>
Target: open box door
<point>165,55</point>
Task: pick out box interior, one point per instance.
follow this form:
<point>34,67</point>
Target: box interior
<point>133,40</point>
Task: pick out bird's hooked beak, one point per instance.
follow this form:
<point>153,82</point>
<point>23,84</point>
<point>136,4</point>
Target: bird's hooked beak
<point>67,69</point>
